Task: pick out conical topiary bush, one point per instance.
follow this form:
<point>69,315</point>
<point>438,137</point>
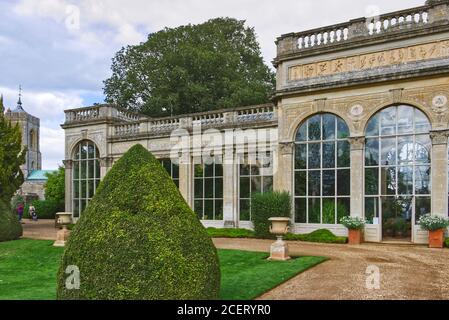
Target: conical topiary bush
<point>10,227</point>
<point>138,239</point>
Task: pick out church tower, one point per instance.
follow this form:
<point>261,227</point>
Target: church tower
<point>30,127</point>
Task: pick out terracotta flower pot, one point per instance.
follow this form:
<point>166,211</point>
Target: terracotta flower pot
<point>355,237</point>
<point>436,238</point>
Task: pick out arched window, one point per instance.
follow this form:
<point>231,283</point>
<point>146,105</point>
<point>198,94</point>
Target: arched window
<point>86,175</point>
<point>322,170</point>
<point>397,169</point>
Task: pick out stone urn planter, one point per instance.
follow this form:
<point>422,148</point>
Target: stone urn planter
<point>436,225</point>
<point>279,250</point>
<point>64,219</point>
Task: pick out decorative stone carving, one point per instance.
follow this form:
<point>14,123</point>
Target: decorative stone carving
<point>439,137</point>
<point>396,95</point>
<point>106,162</point>
<point>286,148</point>
<point>440,104</point>
<point>68,164</point>
<point>357,143</point>
<point>356,111</point>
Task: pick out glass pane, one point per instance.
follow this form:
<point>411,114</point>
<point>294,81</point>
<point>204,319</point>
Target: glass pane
<point>372,181</point>
<point>372,152</point>
<point>372,129</point>
<point>371,209</point>
<point>314,183</point>
<point>388,151</point>
<point>300,183</point>
<point>406,150</point>
<point>244,169</point>
<point>76,208</point>
<point>343,208</point>
<point>405,180</point>
<point>199,170</point>
<point>244,188</point>
<point>91,151</point>
<point>208,209</point>
<point>300,210</point>
<point>422,207</point>
<point>76,189</point>
<point>267,184</point>
<point>328,127</point>
<point>422,180</point>
<point>218,209</point>
<point>423,148</point>
<point>329,210</point>
<point>83,169</point>
<point>328,182</point>
<point>90,189</point>
<point>343,182</point>
<point>422,124</point>
<point>83,151</point>
<point>314,125</point>
<point>76,170</point>
<point>244,210</point>
<point>175,171</point>
<point>219,188</point>
<point>256,185</point>
<point>198,208</point>
<point>218,170</point>
<point>388,181</point>
<point>405,119</point>
<point>209,170</point>
<point>198,188</point>
<point>343,130</point>
<point>302,133</point>
<point>208,188</point>
<point>83,189</point>
<point>329,155</point>
<point>314,210</point>
<point>388,121</point>
<point>255,170</point>
<point>90,169</point>
<point>344,154</point>
<point>301,156</point>
<point>390,210</point>
<point>97,169</point>
<point>314,155</point>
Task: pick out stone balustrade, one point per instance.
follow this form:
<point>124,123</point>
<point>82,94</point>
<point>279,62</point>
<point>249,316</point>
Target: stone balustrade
<point>433,13</point>
<point>99,112</point>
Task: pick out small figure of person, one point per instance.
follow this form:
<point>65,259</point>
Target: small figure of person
<point>32,213</point>
<point>20,210</point>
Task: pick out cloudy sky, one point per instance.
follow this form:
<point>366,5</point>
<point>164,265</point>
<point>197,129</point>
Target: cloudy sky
<point>61,50</point>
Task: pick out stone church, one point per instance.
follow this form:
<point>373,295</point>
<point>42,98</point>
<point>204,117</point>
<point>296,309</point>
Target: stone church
<point>35,178</point>
<point>358,125</point>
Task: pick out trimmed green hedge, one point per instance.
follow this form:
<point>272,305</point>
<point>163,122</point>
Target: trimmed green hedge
<point>446,242</point>
<point>46,209</point>
<point>139,240</point>
<point>230,233</point>
<point>321,236</point>
<point>10,227</point>
<point>268,205</point>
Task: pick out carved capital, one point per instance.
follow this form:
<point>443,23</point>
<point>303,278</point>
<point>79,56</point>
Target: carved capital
<point>357,143</point>
<point>286,148</point>
<point>106,162</point>
<point>439,137</point>
<point>67,164</point>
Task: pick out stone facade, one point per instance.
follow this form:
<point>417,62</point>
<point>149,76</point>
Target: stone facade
<point>352,70</point>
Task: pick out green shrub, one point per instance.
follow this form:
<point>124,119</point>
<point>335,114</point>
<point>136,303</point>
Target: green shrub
<point>138,239</point>
<point>353,223</point>
<point>230,233</point>
<point>268,205</point>
<point>45,209</point>
<point>321,236</point>
<point>432,223</point>
<point>10,227</point>
<point>446,242</point>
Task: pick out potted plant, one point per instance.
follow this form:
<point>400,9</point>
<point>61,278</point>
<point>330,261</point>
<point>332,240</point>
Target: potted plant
<point>355,226</point>
<point>435,225</point>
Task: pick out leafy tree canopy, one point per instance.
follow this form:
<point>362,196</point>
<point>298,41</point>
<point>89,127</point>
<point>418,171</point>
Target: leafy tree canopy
<point>55,186</point>
<point>193,68</point>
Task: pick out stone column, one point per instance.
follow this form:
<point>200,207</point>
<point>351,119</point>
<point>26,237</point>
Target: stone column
<point>357,167</point>
<point>439,172</point>
<point>283,167</point>
<point>105,164</point>
<point>68,165</point>
<point>186,178</point>
<point>230,188</point>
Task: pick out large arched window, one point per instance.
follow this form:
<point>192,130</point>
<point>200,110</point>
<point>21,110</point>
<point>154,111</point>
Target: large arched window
<point>86,175</point>
<point>397,169</point>
<point>322,170</point>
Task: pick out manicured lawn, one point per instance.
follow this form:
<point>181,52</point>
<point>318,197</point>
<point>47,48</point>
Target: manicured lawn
<point>28,271</point>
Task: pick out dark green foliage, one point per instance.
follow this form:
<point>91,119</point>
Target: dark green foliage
<point>321,236</point>
<point>10,227</point>
<point>214,65</point>
<point>55,186</point>
<point>268,205</point>
<point>138,239</point>
<point>46,209</point>
<point>230,233</point>
<point>446,242</point>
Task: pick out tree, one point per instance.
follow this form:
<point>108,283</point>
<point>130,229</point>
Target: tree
<point>139,240</point>
<point>55,186</point>
<point>12,156</point>
<point>193,68</point>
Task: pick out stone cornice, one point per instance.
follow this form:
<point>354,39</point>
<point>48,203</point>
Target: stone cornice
<point>439,137</point>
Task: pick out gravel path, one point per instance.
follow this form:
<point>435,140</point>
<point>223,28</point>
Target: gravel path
<point>40,230</point>
<point>406,272</point>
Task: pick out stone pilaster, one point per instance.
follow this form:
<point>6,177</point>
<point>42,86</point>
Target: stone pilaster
<point>186,178</point>
<point>230,188</point>
<point>105,164</point>
<point>283,169</point>
<point>68,165</point>
<point>439,172</point>
<point>357,165</point>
